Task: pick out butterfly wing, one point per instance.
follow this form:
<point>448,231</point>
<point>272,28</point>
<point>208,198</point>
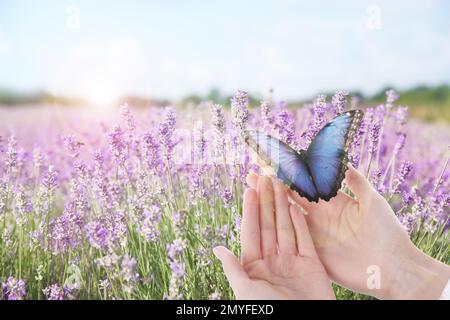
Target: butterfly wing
<point>287,163</point>
<point>326,156</point>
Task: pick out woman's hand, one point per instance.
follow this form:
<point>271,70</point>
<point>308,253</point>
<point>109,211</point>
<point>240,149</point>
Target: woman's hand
<point>364,247</point>
<point>278,260</point>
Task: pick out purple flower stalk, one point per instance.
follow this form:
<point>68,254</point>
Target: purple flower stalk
<point>403,172</point>
<point>97,235</point>
<point>54,292</point>
<point>199,143</point>
<point>227,197</point>
<point>339,102</point>
<point>117,145</point>
<point>50,180</point>
<point>150,220</point>
<point>391,97</point>
<point>401,116</point>
<point>175,254</point>
<point>175,249</point>
<point>239,111</point>
<point>166,130</point>
<point>151,151</point>
<point>128,266</point>
<point>196,189</point>
<point>14,289</point>
<point>318,109</point>
<point>266,115</point>
<point>11,153</point>
<point>374,135</point>
<point>66,229</point>
<point>285,123</point>
<point>218,122</point>
<point>128,118</point>
<point>72,145</point>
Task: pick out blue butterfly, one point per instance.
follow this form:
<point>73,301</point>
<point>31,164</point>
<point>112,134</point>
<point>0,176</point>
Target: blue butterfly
<point>316,173</point>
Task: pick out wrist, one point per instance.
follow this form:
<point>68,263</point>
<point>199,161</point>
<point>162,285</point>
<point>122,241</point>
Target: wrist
<point>416,276</point>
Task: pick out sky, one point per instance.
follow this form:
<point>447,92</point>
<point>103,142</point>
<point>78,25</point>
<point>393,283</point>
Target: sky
<point>101,49</point>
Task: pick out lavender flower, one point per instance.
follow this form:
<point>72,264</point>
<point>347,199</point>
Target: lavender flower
<point>72,145</point>
<point>14,289</point>
<point>391,97</point>
<point>66,229</point>
<point>227,197</point>
<point>285,124</point>
<point>239,111</point>
<point>166,130</point>
<point>128,273</point>
<point>104,284</point>
<point>339,102</point>
<point>178,225</point>
<point>218,122</point>
<point>109,261</point>
<point>4,192</point>
<point>375,179</point>
<point>151,152</point>
<point>174,253</point>
<point>118,147</point>
<point>196,189</point>
<point>266,115</point>
<point>400,144</point>
<point>128,118</point>
<point>23,205</point>
<point>175,249</point>
<point>374,135</point>
<point>97,234</point>
<point>403,172</point>
<point>54,292</point>
<point>49,182</point>
<point>318,121</point>
<point>11,153</point>
<point>150,219</point>
<point>199,142</point>
<point>401,116</point>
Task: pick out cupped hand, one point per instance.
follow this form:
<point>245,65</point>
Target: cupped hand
<point>278,259</point>
<point>364,247</point>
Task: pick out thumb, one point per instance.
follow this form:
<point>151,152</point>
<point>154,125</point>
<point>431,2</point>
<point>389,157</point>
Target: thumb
<point>232,268</point>
<point>357,183</point>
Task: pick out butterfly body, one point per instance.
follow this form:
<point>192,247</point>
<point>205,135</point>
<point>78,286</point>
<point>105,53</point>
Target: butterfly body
<point>317,172</point>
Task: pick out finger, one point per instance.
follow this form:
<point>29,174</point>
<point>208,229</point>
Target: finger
<point>267,217</point>
<point>250,231</point>
<point>357,183</point>
<point>285,229</point>
<point>305,243</point>
<point>252,180</point>
<point>302,202</point>
<point>232,268</point>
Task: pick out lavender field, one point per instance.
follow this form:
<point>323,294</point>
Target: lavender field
<point>128,204</point>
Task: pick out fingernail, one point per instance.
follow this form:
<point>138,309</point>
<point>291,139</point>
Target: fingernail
<point>216,251</point>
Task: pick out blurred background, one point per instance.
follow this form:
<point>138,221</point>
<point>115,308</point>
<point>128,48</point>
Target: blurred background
<point>98,54</point>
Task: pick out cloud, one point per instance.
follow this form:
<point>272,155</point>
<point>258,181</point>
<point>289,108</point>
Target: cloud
<point>101,71</point>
